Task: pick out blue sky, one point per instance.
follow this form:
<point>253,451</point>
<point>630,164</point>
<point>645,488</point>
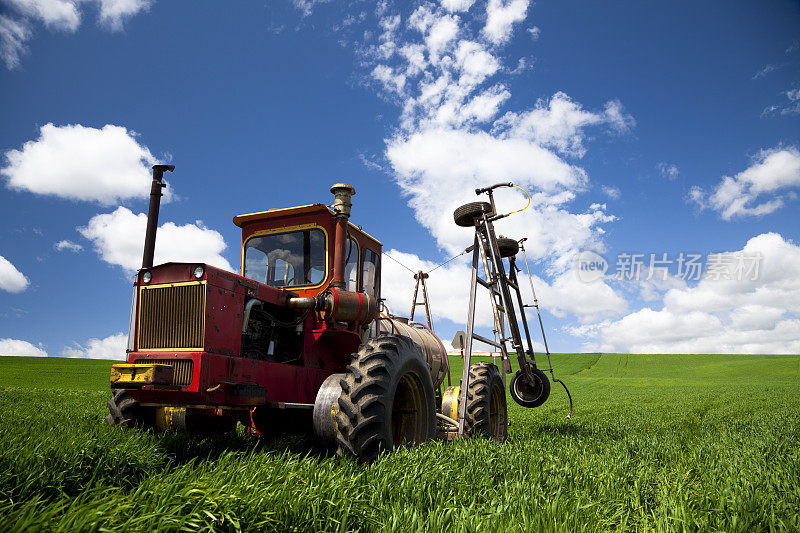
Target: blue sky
<point>640,128</point>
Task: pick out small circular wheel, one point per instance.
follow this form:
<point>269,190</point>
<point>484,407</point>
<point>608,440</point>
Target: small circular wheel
<point>507,247</point>
<point>386,401</point>
<point>466,215</point>
<point>486,413</point>
<point>530,394</point>
<point>123,410</point>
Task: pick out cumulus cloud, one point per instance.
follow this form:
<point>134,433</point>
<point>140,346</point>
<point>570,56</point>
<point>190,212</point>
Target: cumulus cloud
<point>501,15</point>
<point>105,165</point>
<point>23,348</point>
<point>60,246</point>
<point>560,123</point>
<point>755,190</point>
<point>118,238</point>
<point>453,136</point>
<point>111,347</point>
<point>11,279</point>
<point>751,306</point>
<point>59,15</point>
<point>457,5</point>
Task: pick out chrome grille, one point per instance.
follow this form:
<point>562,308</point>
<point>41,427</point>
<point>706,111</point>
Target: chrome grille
<point>172,317</point>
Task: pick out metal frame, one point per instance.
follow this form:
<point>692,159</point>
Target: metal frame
<point>421,277</point>
<point>503,306</point>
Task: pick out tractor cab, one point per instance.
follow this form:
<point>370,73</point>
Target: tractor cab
<point>294,249</point>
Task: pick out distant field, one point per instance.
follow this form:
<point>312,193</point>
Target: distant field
<point>657,442</point>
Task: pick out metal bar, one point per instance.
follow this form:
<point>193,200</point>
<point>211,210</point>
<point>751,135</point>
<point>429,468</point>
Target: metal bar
<point>498,311</point>
<point>486,284</point>
<point>473,286</point>
<point>414,301</point>
<point>425,297</point>
<point>497,264</point>
<point>512,272</point>
<point>487,341</point>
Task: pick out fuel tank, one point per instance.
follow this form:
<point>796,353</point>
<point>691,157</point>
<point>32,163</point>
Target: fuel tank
<point>429,344</point>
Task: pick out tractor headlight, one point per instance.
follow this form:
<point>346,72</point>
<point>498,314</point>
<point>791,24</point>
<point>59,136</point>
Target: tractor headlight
<point>146,276</point>
<point>199,271</point>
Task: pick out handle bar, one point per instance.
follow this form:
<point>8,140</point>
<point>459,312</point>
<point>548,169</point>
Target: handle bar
<point>495,186</point>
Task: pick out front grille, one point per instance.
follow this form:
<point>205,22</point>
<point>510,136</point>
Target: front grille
<point>172,317</point>
<point>181,369</point>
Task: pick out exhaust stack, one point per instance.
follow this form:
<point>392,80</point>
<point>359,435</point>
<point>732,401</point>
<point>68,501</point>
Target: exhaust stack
<point>342,192</point>
<point>152,213</point>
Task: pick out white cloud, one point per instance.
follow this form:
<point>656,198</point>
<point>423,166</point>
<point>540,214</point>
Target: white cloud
<point>772,171</point>
<point>668,171</point>
<point>118,238</point>
<point>766,70</point>
<point>114,12</point>
<point>105,165</point>
<point>448,289</point>
<point>60,246</point>
<point>734,315</point>
<point>13,35</point>
<point>560,123</point>
<point>18,347</point>
<point>11,279</point>
<point>449,141</point>
<point>792,107</point>
<point>306,7</point>
<point>535,32</point>
<point>457,5</point>
<point>112,347</point>
<point>501,15</point>
<point>55,14</point>
<point>60,15</point>
<point>612,192</point>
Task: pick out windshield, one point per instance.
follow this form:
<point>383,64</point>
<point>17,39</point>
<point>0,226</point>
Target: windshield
<point>291,259</point>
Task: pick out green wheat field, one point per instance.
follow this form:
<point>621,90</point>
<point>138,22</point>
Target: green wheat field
<point>656,443</point>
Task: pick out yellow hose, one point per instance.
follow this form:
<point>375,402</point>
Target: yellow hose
<point>526,206</point>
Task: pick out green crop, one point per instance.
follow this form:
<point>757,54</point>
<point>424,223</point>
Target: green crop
<point>657,442</point>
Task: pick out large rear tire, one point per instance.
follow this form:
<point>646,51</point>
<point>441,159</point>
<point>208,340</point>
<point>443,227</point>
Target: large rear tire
<point>387,399</point>
<point>123,410</point>
<point>487,412</point>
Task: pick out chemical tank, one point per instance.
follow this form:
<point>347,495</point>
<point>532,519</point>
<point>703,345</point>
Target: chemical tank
<point>429,344</point>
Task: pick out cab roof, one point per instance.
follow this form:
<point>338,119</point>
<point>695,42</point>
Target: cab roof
<point>240,220</point>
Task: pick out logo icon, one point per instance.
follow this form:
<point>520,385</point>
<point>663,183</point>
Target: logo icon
<point>591,266</point>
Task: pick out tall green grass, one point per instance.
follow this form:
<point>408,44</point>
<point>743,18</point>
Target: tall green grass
<point>666,442</point>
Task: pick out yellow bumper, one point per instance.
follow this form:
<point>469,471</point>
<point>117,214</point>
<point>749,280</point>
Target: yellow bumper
<point>137,375</point>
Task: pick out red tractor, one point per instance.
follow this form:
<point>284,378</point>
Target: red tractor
<point>294,341</point>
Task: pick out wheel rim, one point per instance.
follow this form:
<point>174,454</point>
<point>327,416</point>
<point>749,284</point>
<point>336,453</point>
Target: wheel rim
<point>527,391</point>
<point>408,412</point>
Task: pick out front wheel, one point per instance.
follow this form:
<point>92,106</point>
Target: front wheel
<point>123,410</point>
<point>386,399</point>
<point>530,393</point>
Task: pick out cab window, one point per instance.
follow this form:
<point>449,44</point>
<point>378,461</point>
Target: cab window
<point>369,277</point>
<point>351,266</point>
<point>291,259</point>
